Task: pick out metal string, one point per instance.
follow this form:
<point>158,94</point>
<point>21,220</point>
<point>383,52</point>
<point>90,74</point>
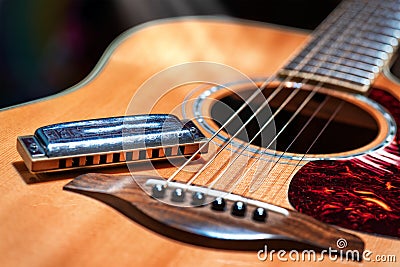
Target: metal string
<point>333,115</point>
<point>341,11</point>
<point>336,111</point>
<point>315,89</point>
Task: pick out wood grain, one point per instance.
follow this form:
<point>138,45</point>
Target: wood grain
<point>42,225</point>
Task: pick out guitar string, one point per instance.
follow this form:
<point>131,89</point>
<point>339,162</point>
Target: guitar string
<point>328,122</point>
<point>315,89</point>
<point>333,115</point>
<point>270,168</point>
<point>335,112</point>
<point>306,125</point>
<point>300,132</point>
<point>216,180</point>
<point>315,140</point>
<point>341,10</point>
<point>264,150</point>
<point>288,177</point>
<point>262,128</point>
<point>303,104</point>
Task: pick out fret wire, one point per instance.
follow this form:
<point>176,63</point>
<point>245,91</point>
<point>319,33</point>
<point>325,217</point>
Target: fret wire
<point>338,51</point>
<point>344,69</point>
<point>329,28</point>
<point>348,63</point>
<point>387,13</point>
<point>389,23</point>
<point>395,6</point>
<point>377,57</point>
<point>378,29</point>
<point>362,51</point>
<point>359,26</point>
<point>340,68</point>
<point>386,16</point>
<point>373,45</point>
<point>353,56</point>
<point>376,45</point>
<point>338,75</point>
<point>312,45</point>
<point>331,81</point>
<point>380,38</point>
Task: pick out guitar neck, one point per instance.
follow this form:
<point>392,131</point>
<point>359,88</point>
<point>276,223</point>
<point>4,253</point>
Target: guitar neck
<point>350,48</point>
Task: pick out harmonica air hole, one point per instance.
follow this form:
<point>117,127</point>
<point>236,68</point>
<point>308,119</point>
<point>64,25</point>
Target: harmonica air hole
<point>75,162</point>
<point>168,151</point>
<point>89,160</point>
<point>116,157</point>
<point>103,159</point>
<point>155,153</point>
<point>128,156</point>
<point>62,163</point>
<point>142,154</point>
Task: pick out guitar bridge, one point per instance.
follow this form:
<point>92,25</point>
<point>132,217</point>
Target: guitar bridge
<point>109,141</point>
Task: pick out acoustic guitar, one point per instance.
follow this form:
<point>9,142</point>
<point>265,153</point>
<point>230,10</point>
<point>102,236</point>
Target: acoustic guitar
<point>328,177</point>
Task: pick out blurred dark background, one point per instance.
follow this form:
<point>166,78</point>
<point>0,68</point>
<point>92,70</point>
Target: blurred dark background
<point>47,46</point>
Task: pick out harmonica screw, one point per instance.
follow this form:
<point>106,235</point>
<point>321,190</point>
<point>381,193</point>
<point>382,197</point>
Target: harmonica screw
<point>33,147</point>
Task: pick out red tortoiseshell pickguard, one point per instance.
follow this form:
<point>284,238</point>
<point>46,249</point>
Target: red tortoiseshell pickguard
<point>361,194</point>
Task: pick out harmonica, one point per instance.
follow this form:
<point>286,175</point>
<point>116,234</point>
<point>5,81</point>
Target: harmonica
<point>110,141</point>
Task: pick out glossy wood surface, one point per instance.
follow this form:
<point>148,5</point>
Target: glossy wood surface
<point>42,225</point>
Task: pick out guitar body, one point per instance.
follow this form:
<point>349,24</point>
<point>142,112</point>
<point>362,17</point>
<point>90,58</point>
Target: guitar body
<point>42,225</point>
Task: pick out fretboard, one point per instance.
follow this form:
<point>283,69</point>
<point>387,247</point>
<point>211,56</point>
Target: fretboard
<point>350,48</point>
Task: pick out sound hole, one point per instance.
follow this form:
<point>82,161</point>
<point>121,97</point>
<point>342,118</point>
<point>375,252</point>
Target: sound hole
<point>352,127</point>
